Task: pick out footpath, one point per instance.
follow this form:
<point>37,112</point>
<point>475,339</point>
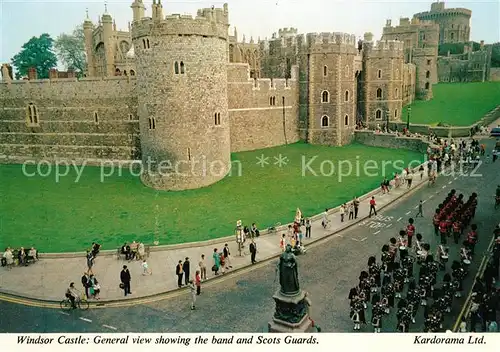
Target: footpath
<point>49,278</point>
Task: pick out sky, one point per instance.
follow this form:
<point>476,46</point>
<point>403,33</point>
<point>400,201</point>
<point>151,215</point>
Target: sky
<point>21,20</point>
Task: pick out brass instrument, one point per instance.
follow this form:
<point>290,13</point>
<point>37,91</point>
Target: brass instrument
<point>464,254</point>
<point>402,243</point>
<point>443,253</point>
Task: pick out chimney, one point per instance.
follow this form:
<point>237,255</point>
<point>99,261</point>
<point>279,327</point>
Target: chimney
<point>53,73</point>
<point>32,74</point>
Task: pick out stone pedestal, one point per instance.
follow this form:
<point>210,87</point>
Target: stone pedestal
<point>291,314</point>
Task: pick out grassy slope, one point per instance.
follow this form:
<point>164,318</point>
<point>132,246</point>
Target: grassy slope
<point>67,216</point>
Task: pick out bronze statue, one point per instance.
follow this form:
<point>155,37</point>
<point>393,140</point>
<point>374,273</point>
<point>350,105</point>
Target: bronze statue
<point>288,271</point>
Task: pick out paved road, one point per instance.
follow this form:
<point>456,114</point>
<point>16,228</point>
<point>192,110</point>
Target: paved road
<point>244,303</point>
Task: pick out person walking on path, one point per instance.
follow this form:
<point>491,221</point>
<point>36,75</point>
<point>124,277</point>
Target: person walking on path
<point>203,267</point>
<point>125,278</point>
<point>186,267</point>
<point>90,262</point>
<point>372,207</point>
<point>180,273</point>
<point>342,212</point>
<point>420,210</point>
<point>253,251</point>
<point>86,284</point>
<point>197,281</point>
<point>192,288</point>
<point>308,228</point>
<point>227,256</point>
<point>410,231</point>
<point>325,220</point>
<point>216,266</point>
<point>351,211</point>
<point>355,202</point>
<point>145,268</point>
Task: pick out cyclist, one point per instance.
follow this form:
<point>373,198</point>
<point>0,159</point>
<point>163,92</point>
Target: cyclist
<point>72,294</point>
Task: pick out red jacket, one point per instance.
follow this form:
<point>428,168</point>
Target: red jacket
<point>472,237</point>
<point>410,230</point>
<point>443,226</point>
<point>372,202</point>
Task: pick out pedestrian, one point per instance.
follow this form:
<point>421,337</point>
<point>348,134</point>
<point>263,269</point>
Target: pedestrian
<point>193,294</point>
<point>203,267</point>
<point>90,262</point>
<point>421,169</point>
<point>227,256</point>
<point>145,268</point>
<point>125,279</point>
<point>180,273</point>
<point>197,281</point>
<point>308,228</point>
<point>253,251</point>
<point>186,268</point>
<point>351,211</point>
<point>420,210</point>
<point>85,283</point>
<point>342,212</point>
<point>372,207</point>
<point>94,287</point>
<point>409,178</point>
<point>216,257</point>
<point>283,242</point>
<point>410,231</point>
<point>355,202</point>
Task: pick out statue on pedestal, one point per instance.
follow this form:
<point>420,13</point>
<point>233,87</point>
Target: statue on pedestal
<point>288,273</point>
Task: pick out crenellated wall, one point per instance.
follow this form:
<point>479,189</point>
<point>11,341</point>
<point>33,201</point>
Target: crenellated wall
<point>91,118</point>
<point>257,116</point>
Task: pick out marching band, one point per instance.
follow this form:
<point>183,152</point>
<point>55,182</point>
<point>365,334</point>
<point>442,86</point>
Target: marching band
<point>388,280</point>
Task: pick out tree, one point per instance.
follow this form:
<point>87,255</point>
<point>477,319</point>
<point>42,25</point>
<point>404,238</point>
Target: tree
<point>70,49</point>
<point>38,53</point>
<point>495,55</point>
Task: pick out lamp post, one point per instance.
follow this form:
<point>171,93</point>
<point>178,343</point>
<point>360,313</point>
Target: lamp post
<point>408,119</point>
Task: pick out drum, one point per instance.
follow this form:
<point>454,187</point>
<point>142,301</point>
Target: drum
<point>466,261</point>
<point>444,257</point>
<point>402,248</point>
<point>420,253</point>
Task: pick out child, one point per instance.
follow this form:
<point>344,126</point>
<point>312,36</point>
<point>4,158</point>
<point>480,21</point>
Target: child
<point>283,243</point>
<point>145,268</point>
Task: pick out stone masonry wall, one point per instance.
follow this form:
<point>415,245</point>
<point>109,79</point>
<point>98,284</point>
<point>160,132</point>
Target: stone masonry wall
<point>256,109</point>
<point>390,141</point>
<point>87,119</point>
<point>495,74</point>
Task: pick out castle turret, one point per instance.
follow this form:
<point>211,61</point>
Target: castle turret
<point>109,43</point>
<point>137,10</point>
<point>88,28</point>
<point>157,10</point>
<point>182,99</point>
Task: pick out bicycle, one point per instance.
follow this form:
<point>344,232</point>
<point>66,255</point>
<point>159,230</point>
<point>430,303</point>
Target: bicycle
<point>81,303</point>
<point>274,228</point>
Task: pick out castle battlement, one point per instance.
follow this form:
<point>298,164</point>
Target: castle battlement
<point>406,24</point>
<point>240,73</point>
<point>389,45</point>
<point>287,32</point>
<point>68,80</point>
<point>432,51</point>
<point>444,13</point>
<point>213,22</point>
<point>338,38</point>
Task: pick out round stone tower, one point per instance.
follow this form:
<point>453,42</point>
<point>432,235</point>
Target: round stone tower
<point>182,98</point>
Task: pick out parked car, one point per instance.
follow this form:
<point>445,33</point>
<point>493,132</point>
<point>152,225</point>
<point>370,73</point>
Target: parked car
<point>495,132</point>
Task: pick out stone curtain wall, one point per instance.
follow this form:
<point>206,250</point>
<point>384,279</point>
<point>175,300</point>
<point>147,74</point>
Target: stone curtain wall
<point>67,126</point>
<point>495,74</point>
<point>373,139</point>
<point>254,122</point>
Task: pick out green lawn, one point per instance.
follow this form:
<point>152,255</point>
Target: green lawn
<point>456,104</point>
<point>67,215</point>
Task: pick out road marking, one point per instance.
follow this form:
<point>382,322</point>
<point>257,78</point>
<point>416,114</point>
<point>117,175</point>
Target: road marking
<point>450,182</point>
<point>408,212</point>
<point>388,225</point>
<point>437,192</point>
<point>443,187</point>
<point>363,239</point>
<point>109,327</point>
<point>416,207</point>
<point>424,201</point>
<point>87,320</point>
<point>399,219</point>
<point>64,313</point>
<point>377,232</point>
<point>431,197</point>
<point>455,178</point>
<point>355,239</point>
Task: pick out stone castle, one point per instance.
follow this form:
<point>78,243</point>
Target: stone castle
<point>180,93</point>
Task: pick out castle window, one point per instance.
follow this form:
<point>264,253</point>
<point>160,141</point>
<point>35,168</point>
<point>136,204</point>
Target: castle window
<point>427,74</point>
<point>325,97</point>
<point>32,114</point>
<point>379,74</point>
<point>124,72</point>
<point>346,95</point>
<point>325,71</point>
<point>378,115</point>
<point>452,36</point>
<point>429,62</point>
<point>325,121</point>
<point>152,123</point>
<point>96,118</point>
<point>346,74</point>
<point>272,101</point>
<point>189,154</point>
<point>396,93</point>
<point>396,113</point>
<point>427,85</point>
<point>217,118</point>
<point>182,68</point>
<point>132,72</point>
<point>379,93</point>
<point>346,120</point>
<point>144,43</point>
<point>176,68</point>
<point>130,116</point>
<point>147,43</point>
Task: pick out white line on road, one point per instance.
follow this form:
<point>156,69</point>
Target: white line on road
<point>437,192</point>
<point>64,313</point>
<point>377,232</point>
<point>109,327</point>
<point>363,239</point>
<point>450,182</point>
<point>400,219</point>
<point>389,225</point>
<point>431,197</point>
<point>355,239</point>
<point>416,207</point>
<point>455,178</point>
<point>443,187</point>
<point>87,320</point>
<point>408,212</point>
<point>424,201</point>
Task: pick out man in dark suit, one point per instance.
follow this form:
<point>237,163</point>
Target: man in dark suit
<point>253,251</point>
<point>179,272</point>
<point>125,279</point>
<point>186,267</point>
<point>226,254</point>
